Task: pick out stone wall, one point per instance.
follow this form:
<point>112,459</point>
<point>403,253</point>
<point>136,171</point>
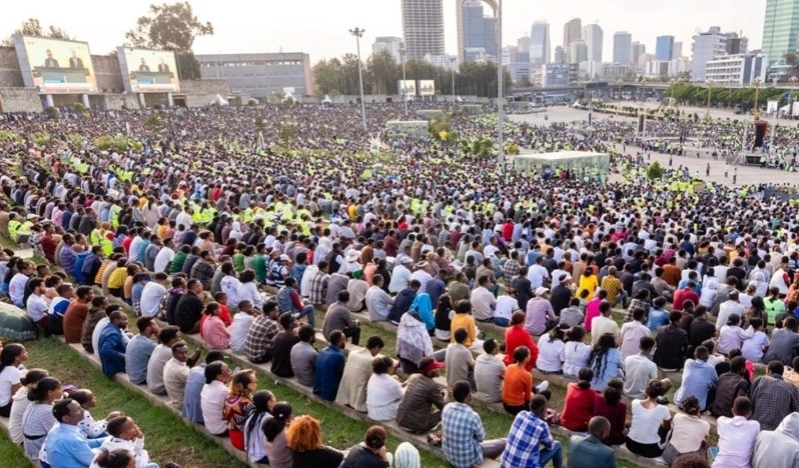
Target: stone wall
<point>109,77</point>
<point>205,87</point>
<point>10,76</point>
<point>20,100</point>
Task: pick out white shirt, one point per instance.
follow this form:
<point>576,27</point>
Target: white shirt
<point>737,438</point>
<point>400,278</point>
<point>230,286</point>
<point>305,282</point>
<point>8,378</point>
<point>505,307</point>
<point>16,288</point>
<point>184,219</point>
<point>137,448</point>
<point>726,309</point>
<point>536,275</point>
<point>238,331</point>
<point>37,307</point>
<point>212,401</point>
<point>383,396</point>
<point>151,296</point>
<point>165,255</point>
<point>577,355</point>
<point>752,349</point>
<point>638,371</point>
<point>489,371</point>
<point>646,422</point>
<point>423,277</point>
<point>732,337</point>
<point>98,330</point>
<point>483,303</point>
<point>249,292</point>
<point>631,334</point>
<point>551,354</point>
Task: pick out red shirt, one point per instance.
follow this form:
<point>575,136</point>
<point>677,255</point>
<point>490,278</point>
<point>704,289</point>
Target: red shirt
<point>126,244</point>
<point>616,414</point>
<point>682,295</point>
<point>516,336</point>
<point>578,408</point>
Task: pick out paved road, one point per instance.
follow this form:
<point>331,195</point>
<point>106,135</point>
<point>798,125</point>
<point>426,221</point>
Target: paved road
<point>746,174</point>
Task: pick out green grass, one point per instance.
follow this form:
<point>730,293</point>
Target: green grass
<point>167,437</point>
<point>11,455</point>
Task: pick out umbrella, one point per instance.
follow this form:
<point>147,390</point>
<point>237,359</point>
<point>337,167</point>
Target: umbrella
<point>15,323</point>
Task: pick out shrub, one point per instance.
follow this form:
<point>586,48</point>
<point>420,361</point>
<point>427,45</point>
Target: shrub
<point>655,171</point>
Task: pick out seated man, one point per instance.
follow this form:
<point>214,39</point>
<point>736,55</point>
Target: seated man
<point>357,370</point>
<point>698,379</point>
<point>195,382</point>
<point>161,354</point>
<point>779,447</point>
<point>112,345</point>
<point>585,451</point>
<point>257,346</point>
<point>338,317</point>
<point>303,358</point>
<point>330,367</point>
<point>126,435</point>
<point>772,397</point>
<point>421,393</point>
<point>242,322</point>
<point>639,369</point>
<point>378,302</point>
<point>489,371</point>
<point>737,435</point>
<point>459,360</point>
<point>289,300</point>
<point>140,348</point>
<point>732,384</point>
<point>176,371</point>
<point>463,432</point>
<point>65,442</point>
<point>282,344</point>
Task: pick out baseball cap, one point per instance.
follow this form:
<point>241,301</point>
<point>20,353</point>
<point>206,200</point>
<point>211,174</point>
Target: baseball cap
<point>541,291</point>
<point>434,365</point>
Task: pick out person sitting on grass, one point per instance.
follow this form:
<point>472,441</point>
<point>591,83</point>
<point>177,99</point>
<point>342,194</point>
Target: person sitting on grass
<point>330,367</point>
<point>590,450</point>
<point>214,331</point>
<point>89,427</point>
<point>463,433</point>
<point>689,432</point>
<point>530,443</point>
<point>651,422</point>
<point>125,435</point>
<point>65,443</point>
<point>140,348</point>
<point>112,344</point>
<point>282,344</point>
<point>238,399</point>
<point>212,397</point>
<point>578,408</point>
<point>161,354</point>
<point>372,452</point>
<point>518,388</point>
<point>274,430</point>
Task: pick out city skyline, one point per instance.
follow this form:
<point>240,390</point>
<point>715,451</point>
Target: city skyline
<point>324,33</point>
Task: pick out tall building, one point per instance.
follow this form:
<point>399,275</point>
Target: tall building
<point>622,47</point>
<point>780,28</point>
<point>423,27</point>
<point>467,27</point>
<point>707,46</point>
<point>677,49</point>
<point>740,69</point>
<point>736,44</point>
<point>664,48</point>
<point>593,37</point>
<point>391,44</point>
<point>560,55</point>
<point>524,49</point>
<point>478,31</point>
<point>638,50</point>
<point>540,47</point>
<point>572,31</point>
<point>578,52</point>
<point>259,75</point>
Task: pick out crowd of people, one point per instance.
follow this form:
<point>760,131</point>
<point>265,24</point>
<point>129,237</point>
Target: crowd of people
<point>241,236</point>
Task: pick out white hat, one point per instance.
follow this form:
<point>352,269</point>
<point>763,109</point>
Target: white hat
<point>284,258</point>
<point>406,260</point>
<point>541,291</point>
<point>353,255</point>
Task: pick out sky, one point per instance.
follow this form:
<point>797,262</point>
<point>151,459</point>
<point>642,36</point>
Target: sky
<point>320,27</point>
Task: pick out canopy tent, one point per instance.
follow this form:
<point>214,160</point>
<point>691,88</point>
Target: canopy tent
<point>786,110</point>
<point>578,163</point>
<point>220,101</point>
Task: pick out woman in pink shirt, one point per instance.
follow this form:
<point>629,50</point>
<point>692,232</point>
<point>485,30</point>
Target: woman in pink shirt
<point>592,309</point>
<point>215,333</point>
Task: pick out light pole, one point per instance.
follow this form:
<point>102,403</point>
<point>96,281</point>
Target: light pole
<point>404,88</point>
<point>358,33</point>
<point>793,80</point>
<point>453,61</point>
<point>619,82</point>
<point>709,92</point>
<point>757,82</point>
<point>500,92</point>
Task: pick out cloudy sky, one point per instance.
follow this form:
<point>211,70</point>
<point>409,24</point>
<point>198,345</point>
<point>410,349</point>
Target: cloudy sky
<point>320,27</point>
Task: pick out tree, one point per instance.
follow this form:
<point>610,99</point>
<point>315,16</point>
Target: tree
<point>655,171</point>
<point>524,82</point>
<point>32,27</point>
<point>172,27</point>
<point>381,73</point>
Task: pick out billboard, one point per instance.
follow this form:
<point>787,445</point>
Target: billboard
<point>427,87</point>
<point>55,66</point>
<point>407,87</point>
<point>148,71</point>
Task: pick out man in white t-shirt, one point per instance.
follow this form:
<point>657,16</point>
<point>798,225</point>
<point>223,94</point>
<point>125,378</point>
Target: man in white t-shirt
<point>36,305</point>
<point>240,326</point>
<point>538,274</point>
<point>152,295</point>
<point>737,436</point>
<point>165,256</point>
<point>489,370</point>
<point>639,369</point>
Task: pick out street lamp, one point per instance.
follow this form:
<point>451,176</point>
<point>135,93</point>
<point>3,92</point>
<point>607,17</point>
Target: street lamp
<point>500,92</point>
<point>793,80</point>
<point>404,89</point>
<point>709,92</point>
<point>358,33</point>
<point>757,82</point>
<point>619,82</point>
<point>453,62</point>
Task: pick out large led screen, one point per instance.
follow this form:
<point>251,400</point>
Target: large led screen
<point>56,66</point>
<point>148,71</point>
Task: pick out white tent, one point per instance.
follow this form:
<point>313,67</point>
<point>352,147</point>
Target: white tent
<point>220,101</point>
<point>785,110</point>
<point>327,100</point>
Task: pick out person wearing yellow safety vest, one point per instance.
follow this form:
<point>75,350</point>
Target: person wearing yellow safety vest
<point>99,238</point>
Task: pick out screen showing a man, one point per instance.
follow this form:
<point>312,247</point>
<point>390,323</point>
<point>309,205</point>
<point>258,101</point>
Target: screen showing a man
<point>50,62</point>
<point>143,67</point>
<point>75,61</point>
<point>163,67</point>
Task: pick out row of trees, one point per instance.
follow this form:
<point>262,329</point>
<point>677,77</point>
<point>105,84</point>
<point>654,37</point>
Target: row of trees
<point>173,27</point>
<point>381,75</point>
<point>720,96</point>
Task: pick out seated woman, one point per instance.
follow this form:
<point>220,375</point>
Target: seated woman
<point>38,418</point>
<point>518,388</point>
<point>578,408</point>
<point>263,401</point>
<point>576,352</point>
<point>237,404</point>
<point>651,422</point>
<point>516,336</point>
<point>606,362</point>
<point>552,350</point>
<point>609,405</point>
<point>274,430</point>
<point>413,342</point>
<point>443,318</point>
<point>11,358</point>
<point>689,432</point>
<point>383,392</point>
<point>304,438</point>
<point>371,453</point>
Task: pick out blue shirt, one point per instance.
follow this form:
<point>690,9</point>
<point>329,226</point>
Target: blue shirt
<point>698,377</point>
<point>462,433</point>
<point>112,350</point>
<point>137,355</point>
<point>657,318</point>
<point>526,433</point>
<point>191,396</point>
<point>329,369</point>
<point>67,448</point>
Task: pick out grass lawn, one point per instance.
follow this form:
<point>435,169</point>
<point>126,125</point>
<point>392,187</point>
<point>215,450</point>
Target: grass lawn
<point>11,455</point>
